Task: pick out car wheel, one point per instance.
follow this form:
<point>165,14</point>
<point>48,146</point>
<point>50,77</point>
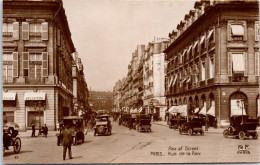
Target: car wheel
<point>255,136</point>
<point>190,132</point>
<point>180,131</point>
<point>17,145</point>
<point>225,133</point>
<point>241,135</point>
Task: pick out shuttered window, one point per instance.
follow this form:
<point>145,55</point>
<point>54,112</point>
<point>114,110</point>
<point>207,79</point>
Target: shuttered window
<point>15,64</point>
<point>25,31</point>
<point>25,63</point>
<point>16,31</point>
<point>44,64</point>
<point>257,63</point>
<point>45,31</point>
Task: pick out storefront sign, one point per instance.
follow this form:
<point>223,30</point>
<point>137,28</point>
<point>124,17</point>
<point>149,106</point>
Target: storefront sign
<point>9,96</point>
<point>34,96</point>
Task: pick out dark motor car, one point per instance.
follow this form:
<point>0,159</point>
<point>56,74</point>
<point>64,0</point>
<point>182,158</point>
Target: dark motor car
<point>77,127</point>
<point>103,125</point>
<point>176,121</point>
<point>194,125</point>
<point>241,127</point>
<point>10,132</point>
<point>143,123</point>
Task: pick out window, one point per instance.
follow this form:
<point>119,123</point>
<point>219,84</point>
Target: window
<point>237,66</point>
<point>203,73</point>
<point>35,66</point>
<point>10,66</point>
<point>211,67</point>
<point>257,63</point>
<point>237,31</point>
<point>10,31</point>
<point>35,31</point>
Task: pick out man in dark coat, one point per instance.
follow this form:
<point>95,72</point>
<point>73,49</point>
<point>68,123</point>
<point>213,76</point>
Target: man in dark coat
<point>66,142</point>
<point>33,130</point>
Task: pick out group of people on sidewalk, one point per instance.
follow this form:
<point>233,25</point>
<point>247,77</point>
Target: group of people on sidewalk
<point>42,130</point>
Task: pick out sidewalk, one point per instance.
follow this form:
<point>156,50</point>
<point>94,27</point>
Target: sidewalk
<point>28,133</point>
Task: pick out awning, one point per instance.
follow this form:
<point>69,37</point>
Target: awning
<point>174,81</point>
<point>202,39</point>
<point>140,109</point>
<point>170,84</point>
<point>173,110</point>
<point>9,96</point>
<point>196,110</point>
<point>183,80</point>
<point>195,44</point>
<point>34,96</point>
<point>210,33</point>
<point>188,80</point>
<point>211,111</point>
<point>183,110</point>
<point>184,52</point>
<point>238,62</point>
<point>188,51</point>
<point>237,30</point>
<point>203,110</point>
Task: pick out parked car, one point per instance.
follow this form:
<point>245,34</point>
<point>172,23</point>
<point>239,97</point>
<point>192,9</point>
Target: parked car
<point>143,123</point>
<point>194,125</point>
<point>76,126</point>
<point>10,138</point>
<point>241,127</point>
<point>103,125</point>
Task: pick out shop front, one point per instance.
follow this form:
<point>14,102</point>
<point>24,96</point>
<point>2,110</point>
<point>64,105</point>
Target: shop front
<point>35,105</point>
<point>9,106</point>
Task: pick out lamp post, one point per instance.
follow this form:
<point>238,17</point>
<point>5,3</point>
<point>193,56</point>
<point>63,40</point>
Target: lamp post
<point>242,106</point>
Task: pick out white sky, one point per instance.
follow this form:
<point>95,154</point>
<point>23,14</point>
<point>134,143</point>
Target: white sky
<point>106,32</point>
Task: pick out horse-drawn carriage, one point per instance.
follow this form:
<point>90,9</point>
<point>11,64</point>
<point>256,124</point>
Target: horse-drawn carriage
<point>241,127</point>
<point>10,138</point>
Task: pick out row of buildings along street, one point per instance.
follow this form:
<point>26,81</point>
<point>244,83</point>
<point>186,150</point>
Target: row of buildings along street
<point>42,73</point>
<point>208,64</point>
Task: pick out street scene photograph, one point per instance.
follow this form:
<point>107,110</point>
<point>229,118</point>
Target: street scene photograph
<point>130,81</point>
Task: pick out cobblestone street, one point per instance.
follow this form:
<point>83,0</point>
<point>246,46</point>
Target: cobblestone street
<point>162,145</point>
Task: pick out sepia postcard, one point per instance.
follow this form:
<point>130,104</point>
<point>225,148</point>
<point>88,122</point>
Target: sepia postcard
<point>130,81</point>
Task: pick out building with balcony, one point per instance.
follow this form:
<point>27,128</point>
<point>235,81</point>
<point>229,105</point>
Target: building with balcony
<point>213,60</point>
<point>154,77</point>
<point>37,63</point>
<point>80,88</point>
<point>117,96</point>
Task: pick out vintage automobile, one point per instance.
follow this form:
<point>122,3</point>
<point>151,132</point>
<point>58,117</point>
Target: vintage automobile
<point>143,123</point>
<point>10,132</point>
<point>193,125</point>
<point>103,125</point>
<point>76,125</point>
<point>176,121</point>
<point>241,127</point>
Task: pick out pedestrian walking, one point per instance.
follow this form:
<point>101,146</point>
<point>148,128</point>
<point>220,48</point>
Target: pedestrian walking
<point>45,130</point>
<point>33,130</point>
<point>206,123</point>
<point>66,142</point>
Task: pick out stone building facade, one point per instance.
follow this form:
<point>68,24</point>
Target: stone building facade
<point>213,59</point>
<point>37,63</point>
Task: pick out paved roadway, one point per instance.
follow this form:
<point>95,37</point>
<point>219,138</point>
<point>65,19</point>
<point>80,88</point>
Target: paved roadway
<point>162,145</point>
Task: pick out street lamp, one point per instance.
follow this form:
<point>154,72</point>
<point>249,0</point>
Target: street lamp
<point>242,105</point>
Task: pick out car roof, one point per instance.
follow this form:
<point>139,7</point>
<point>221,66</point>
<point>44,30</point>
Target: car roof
<point>71,117</point>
